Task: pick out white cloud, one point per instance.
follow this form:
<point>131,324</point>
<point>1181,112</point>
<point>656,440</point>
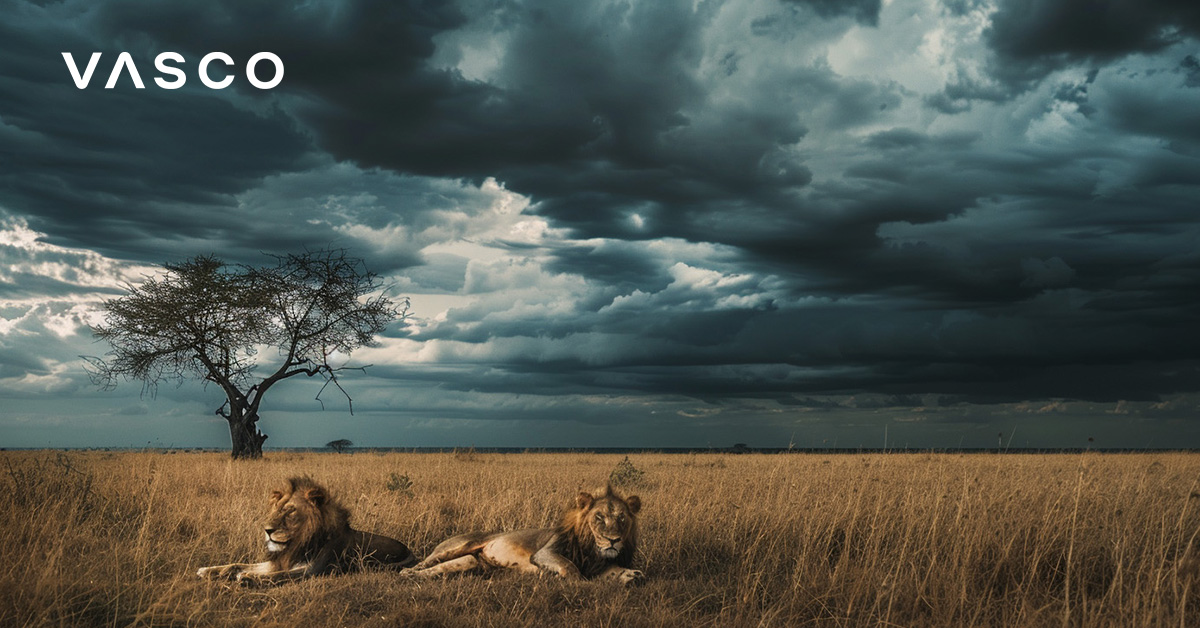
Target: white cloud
<point>699,289</point>
<point>27,258</point>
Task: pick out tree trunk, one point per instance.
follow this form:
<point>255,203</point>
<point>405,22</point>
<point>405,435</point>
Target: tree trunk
<point>247,440</point>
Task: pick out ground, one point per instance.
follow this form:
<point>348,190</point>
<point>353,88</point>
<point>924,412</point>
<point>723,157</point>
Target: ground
<point>115,538</point>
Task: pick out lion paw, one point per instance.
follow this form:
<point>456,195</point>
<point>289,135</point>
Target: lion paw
<point>416,573</point>
<point>224,572</point>
<point>632,576</point>
<point>247,579</point>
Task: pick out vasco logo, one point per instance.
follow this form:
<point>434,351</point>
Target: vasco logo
<point>125,62</point>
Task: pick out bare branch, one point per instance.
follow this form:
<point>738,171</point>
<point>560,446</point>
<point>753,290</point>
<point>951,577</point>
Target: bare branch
<point>331,378</point>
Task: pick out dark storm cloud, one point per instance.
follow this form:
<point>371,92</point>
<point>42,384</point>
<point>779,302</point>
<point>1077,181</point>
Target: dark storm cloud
<point>1045,34</point>
<point>151,174</point>
<point>105,168</point>
<point>599,115</point>
<point>595,112</point>
<point>362,64</point>
<point>899,385</point>
<point>896,139</point>
<point>997,271</point>
<point>865,11</point>
<point>1036,351</point>
<point>1032,38</point>
<point>1041,249</point>
<point>17,361</point>
<point>623,265</point>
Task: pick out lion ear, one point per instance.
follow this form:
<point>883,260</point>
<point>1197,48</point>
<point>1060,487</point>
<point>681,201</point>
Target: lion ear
<point>316,496</point>
<point>276,495</point>
<point>634,502</point>
<point>583,500</point>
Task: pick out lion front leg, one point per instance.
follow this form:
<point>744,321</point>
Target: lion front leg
<point>324,562</point>
<point>255,578</point>
<point>623,575</point>
<point>555,563</point>
<point>230,572</point>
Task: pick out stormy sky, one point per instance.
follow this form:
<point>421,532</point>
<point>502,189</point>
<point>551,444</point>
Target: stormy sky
<point>645,224</point>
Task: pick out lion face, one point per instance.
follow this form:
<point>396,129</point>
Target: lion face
<point>611,521</point>
<point>299,512</point>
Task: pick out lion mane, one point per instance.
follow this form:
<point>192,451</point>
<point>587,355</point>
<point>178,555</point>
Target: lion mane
<point>596,538</point>
<point>322,519</point>
<point>576,542</point>
<point>307,532</point>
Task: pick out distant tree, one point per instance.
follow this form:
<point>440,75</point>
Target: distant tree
<point>340,445</point>
<point>207,319</point>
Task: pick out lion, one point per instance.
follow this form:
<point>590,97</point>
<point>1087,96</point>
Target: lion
<point>308,533</point>
<point>596,540</point>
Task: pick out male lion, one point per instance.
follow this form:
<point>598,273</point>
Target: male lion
<point>308,533</point>
<point>596,539</point>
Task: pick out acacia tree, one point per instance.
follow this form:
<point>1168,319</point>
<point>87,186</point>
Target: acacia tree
<point>210,320</point>
<point>340,445</point>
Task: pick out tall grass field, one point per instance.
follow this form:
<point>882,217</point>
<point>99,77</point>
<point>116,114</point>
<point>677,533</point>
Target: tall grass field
<point>115,538</point>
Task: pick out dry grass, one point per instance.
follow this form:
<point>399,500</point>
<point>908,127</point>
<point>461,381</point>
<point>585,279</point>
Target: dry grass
<point>774,540</point>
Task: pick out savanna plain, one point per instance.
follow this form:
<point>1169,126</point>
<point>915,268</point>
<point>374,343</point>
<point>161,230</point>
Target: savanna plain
<point>794,539</point>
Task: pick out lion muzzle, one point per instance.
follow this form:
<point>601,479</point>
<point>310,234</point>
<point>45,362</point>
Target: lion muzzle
<point>613,549</point>
<point>274,544</point>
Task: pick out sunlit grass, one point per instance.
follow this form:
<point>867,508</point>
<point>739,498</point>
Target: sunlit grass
<point>100,539</point>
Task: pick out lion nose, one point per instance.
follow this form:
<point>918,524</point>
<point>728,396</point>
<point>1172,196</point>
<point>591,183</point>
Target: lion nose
<point>269,531</point>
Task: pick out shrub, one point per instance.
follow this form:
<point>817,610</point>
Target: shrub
<point>625,474</point>
<point>401,484</point>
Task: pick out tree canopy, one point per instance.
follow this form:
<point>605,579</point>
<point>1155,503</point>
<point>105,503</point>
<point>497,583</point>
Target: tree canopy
<point>340,445</point>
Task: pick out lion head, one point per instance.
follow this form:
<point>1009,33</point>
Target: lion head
<point>600,529</point>
<point>303,517</point>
